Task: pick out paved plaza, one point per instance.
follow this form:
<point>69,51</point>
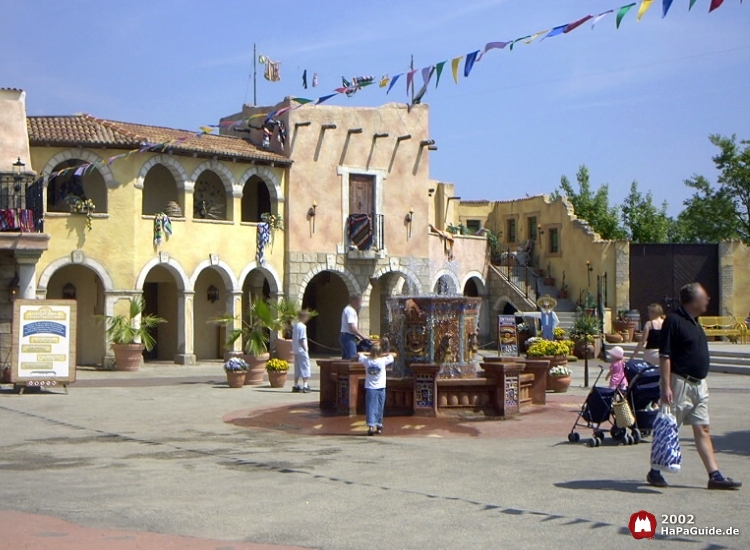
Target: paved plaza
<point>169,457</point>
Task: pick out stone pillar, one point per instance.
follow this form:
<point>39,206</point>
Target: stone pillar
<point>234,307</point>
<point>539,368</point>
<point>425,389</point>
<point>185,332</point>
<point>622,275</point>
<point>507,400</point>
<point>347,388</point>
<point>726,278</point>
<point>27,275</point>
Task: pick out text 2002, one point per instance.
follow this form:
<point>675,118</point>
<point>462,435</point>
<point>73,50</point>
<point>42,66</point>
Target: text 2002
<point>681,519</point>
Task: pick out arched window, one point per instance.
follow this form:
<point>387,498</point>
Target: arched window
<point>160,193</point>
<point>256,199</point>
<point>63,189</point>
<point>209,197</point>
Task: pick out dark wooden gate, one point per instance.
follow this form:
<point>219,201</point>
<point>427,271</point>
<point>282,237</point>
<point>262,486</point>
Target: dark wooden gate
<point>658,271</point>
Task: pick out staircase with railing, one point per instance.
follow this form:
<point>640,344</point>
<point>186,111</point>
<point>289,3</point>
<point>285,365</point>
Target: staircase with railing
<point>520,282</point>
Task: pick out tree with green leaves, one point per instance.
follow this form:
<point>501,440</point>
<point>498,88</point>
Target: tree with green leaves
<point>592,206</point>
<point>722,212</point>
<point>643,220</point>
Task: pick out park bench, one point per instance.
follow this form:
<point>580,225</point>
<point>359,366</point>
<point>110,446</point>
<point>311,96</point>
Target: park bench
<point>724,326</point>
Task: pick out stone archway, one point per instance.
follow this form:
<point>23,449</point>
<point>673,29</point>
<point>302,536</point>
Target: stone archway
<point>84,285</point>
<point>215,287</point>
<point>162,179</point>
<point>474,286</point>
<point>385,283</point>
<point>326,292</point>
<point>446,283</point>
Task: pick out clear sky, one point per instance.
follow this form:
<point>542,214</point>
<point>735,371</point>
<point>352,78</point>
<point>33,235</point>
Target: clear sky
<point>634,103</point>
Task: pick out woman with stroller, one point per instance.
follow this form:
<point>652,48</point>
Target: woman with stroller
<point>651,338</point>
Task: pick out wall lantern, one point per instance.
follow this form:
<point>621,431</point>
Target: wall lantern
<point>311,212</point>
<point>18,170</point>
<point>407,220</point>
<point>14,287</point>
<point>212,294</point>
<point>69,291</point>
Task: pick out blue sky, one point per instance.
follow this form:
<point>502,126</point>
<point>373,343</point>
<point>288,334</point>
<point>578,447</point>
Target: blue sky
<point>634,103</point>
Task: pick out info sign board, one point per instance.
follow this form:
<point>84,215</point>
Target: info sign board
<point>44,342</point>
<point>507,334</point>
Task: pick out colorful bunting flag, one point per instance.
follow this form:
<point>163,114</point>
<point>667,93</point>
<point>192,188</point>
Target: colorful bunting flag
<point>518,40</point>
<point>715,4</point>
<point>535,36</point>
<point>470,60</point>
<point>492,46</point>
<point>325,98</point>
<point>556,31</point>
<point>645,5</point>
<point>622,12</point>
<point>410,81</point>
<point>666,4</point>
<point>384,81</point>
<point>439,69</point>
<point>692,3</point>
<point>600,17</point>
<point>575,24</point>
<point>302,100</point>
<point>393,81</point>
<point>454,67</point>
<point>427,74</point>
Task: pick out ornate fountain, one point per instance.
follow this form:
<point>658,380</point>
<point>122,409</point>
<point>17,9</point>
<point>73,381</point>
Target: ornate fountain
<point>437,330</point>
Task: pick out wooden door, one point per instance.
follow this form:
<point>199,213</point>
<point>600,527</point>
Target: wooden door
<point>361,194</point>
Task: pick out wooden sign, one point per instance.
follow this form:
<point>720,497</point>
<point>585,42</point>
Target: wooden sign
<point>507,335</point>
<point>44,342</point>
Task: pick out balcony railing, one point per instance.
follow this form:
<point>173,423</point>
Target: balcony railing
<point>523,277</point>
<point>21,203</point>
<point>365,233</point>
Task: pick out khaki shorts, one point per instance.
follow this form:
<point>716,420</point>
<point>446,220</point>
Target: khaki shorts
<point>689,401</point>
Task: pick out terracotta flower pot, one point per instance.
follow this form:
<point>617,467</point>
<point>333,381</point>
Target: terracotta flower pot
<point>235,379</point>
<point>562,294</point>
<point>257,366</point>
<point>583,348</point>
<point>625,325</point>
<point>549,281</point>
<point>558,384</point>
<point>613,338</point>
<point>277,378</point>
<point>284,350</point>
<point>128,357</point>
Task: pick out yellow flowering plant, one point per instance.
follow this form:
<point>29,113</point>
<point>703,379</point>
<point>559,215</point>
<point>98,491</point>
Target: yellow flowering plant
<point>548,348</point>
<point>277,365</point>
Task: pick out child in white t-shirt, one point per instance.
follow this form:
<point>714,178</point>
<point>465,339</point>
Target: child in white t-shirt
<point>375,375</point>
<point>301,353</point>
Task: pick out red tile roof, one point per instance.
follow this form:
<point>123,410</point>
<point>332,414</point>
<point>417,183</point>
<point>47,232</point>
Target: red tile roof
<point>86,130</point>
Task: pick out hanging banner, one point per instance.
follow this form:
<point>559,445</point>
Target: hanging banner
<point>44,343</point>
<point>507,335</point>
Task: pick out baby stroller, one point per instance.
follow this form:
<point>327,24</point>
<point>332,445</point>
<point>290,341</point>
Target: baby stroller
<point>643,395</point>
<point>598,410</point>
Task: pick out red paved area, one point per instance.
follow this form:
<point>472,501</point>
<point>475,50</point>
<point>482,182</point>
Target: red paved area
<point>19,530</point>
<point>553,420</point>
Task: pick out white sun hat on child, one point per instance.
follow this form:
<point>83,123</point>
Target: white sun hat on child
<point>617,353</point>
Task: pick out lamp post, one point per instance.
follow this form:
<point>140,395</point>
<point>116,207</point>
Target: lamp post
<point>589,269</point>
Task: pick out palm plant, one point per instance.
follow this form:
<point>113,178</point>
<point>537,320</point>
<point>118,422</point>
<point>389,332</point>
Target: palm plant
<point>585,327</point>
<point>124,330</point>
<point>287,312</point>
<point>260,319</point>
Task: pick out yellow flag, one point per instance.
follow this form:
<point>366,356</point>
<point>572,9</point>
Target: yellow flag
<point>535,36</point>
<point>454,66</point>
<point>645,5</point>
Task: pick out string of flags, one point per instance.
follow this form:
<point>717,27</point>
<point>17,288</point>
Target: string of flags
<point>272,124</point>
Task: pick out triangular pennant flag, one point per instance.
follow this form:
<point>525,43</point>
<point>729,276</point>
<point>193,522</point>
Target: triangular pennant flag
<point>575,24</point>
<point>622,12</point>
<point>384,81</point>
<point>393,81</point>
<point>692,3</point>
<point>492,46</point>
<point>325,98</point>
<point>665,7</point>
<point>715,4</point>
<point>304,79</point>
<point>454,67</point>
<point>600,17</point>
<point>439,69</point>
<point>645,5</point>
<point>427,74</point>
<point>535,36</point>
<point>410,80</point>
<point>470,60</point>
<point>555,31</point>
<point>518,40</point>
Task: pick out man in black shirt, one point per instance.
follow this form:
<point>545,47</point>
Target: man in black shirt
<point>683,367</point>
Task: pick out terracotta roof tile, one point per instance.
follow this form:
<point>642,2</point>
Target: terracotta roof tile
<point>87,130</point>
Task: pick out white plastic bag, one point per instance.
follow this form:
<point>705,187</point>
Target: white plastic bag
<point>665,445</point>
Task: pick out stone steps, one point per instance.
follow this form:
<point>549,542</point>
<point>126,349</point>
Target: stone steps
<point>722,360</point>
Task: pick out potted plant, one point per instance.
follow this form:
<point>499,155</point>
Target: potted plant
<point>493,242</point>
<point>287,312</point>
<point>549,280</point>
<point>524,333</point>
<point>559,333</point>
<point>563,292</point>
<point>585,334</point>
<point>558,379</point>
<point>236,369</point>
<point>254,331</point>
<point>531,341</point>
<point>277,369</point>
<point>556,352</point>
<point>624,324</point>
<point>614,338</point>
<point>130,334</point>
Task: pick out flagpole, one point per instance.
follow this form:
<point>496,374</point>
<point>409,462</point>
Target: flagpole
<point>255,75</point>
<point>411,66</point>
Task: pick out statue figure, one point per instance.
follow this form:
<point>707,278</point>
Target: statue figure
<point>549,318</point>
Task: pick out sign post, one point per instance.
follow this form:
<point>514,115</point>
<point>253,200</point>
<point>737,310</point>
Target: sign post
<point>44,343</point>
<point>507,336</point>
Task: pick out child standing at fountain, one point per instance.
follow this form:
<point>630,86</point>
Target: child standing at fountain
<point>375,368</point>
<point>301,353</point>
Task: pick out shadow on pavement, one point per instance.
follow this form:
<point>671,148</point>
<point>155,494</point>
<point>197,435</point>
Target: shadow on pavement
<point>735,443</point>
<point>636,487</point>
